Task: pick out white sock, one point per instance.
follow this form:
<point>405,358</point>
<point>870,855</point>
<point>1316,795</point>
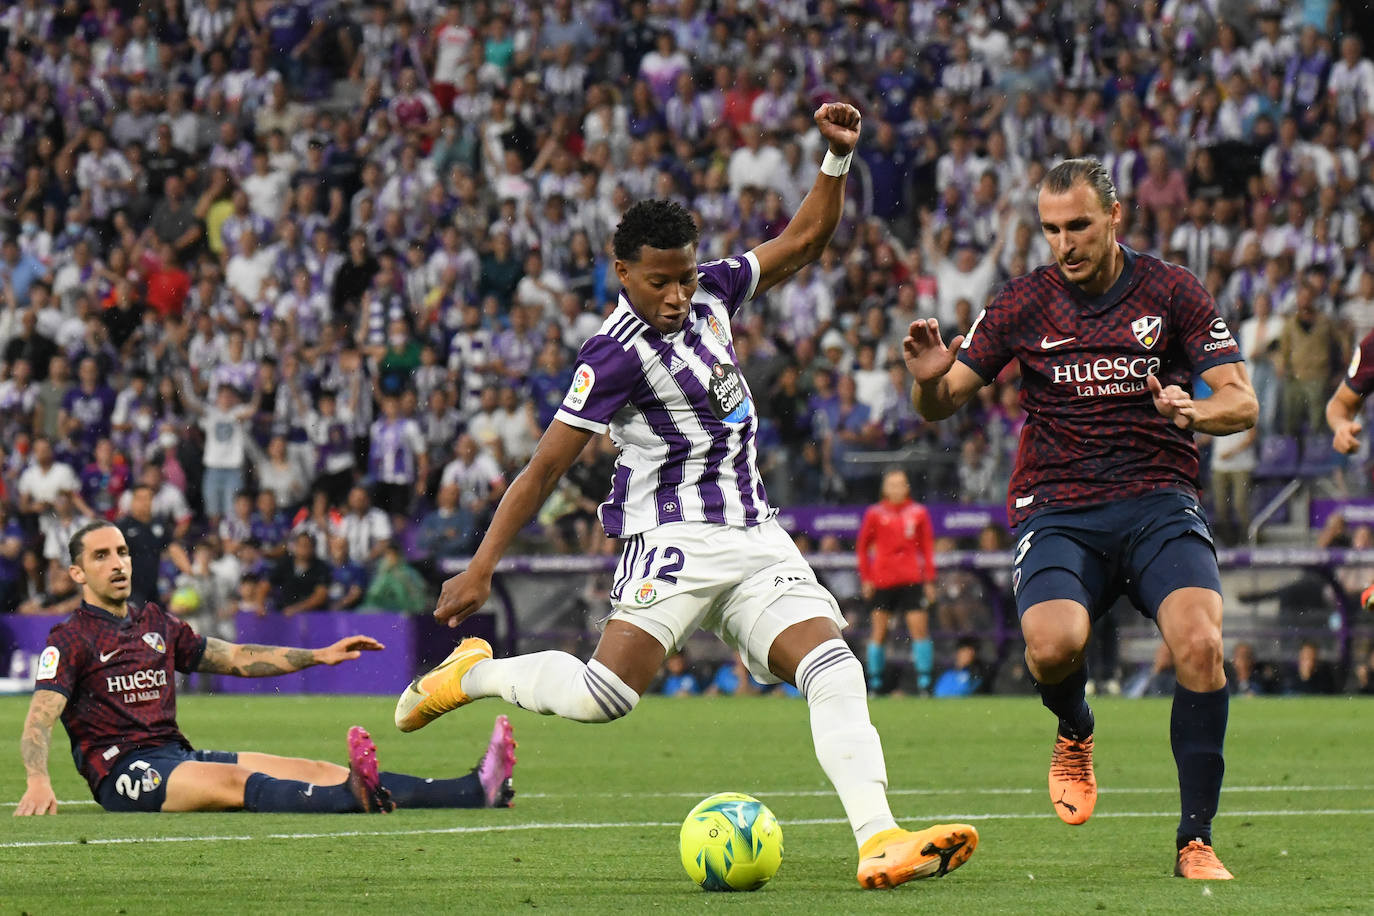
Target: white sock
<point>553,683</point>
<point>847,744</point>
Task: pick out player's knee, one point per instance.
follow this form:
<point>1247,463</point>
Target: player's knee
<point>1052,651</point>
<point>1200,651</point>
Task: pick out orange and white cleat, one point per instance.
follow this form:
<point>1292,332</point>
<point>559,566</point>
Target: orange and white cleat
<point>1199,862</point>
<point>1073,787</point>
<point>897,856</point>
<point>440,690</point>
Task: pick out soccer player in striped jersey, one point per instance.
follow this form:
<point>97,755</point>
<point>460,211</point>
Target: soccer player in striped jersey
<point>702,548</point>
<point>1104,495</point>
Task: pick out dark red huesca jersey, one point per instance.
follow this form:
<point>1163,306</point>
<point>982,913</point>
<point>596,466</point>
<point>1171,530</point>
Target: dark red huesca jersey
<point>1360,376</point>
<point>1092,433</point>
<point>118,675</point>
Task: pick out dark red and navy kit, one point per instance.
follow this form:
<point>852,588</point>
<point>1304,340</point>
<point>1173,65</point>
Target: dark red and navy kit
<point>896,545</point>
<point>1359,378</point>
<point>118,675</point>
<point>1092,433</point>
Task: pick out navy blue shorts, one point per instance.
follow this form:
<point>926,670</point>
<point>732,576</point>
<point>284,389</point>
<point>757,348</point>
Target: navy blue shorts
<point>138,781</point>
<point>1143,548</point>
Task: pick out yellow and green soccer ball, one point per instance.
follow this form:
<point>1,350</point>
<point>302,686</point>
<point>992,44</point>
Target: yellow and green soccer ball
<point>731,842</point>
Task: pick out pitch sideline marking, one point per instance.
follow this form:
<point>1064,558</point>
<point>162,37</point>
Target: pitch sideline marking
<point>816,793</point>
<point>625,825</point>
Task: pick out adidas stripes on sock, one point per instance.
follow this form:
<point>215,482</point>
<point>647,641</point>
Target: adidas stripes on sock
<point>847,744</point>
<point>553,684</point>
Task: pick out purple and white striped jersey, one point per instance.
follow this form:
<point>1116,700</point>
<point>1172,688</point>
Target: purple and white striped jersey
<point>678,409</point>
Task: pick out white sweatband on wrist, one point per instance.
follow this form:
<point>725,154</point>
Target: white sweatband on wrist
<point>836,166</point>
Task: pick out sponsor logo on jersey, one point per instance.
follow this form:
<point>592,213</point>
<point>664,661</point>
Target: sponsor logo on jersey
<point>583,380</point>
<point>968,338</point>
<point>139,680</point>
<point>1354,364</point>
<point>1146,330</point>
<point>1221,337</point>
<point>1047,344</point>
<point>1106,369</point>
<point>727,394</point>
<point>646,593</point>
<point>47,664</point>
<point>714,325</point>
<point>155,642</point>
<point>676,364</point>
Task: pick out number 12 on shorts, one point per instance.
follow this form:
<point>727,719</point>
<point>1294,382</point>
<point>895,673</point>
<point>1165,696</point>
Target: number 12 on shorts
<point>673,561</point>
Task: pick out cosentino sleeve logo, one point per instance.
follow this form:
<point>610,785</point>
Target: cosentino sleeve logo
<point>1106,375</point>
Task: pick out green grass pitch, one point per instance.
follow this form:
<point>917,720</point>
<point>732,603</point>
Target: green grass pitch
<point>595,824</point>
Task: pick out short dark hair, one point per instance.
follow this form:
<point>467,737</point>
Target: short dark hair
<point>1090,171</point>
<point>657,223</point>
<point>78,539</point>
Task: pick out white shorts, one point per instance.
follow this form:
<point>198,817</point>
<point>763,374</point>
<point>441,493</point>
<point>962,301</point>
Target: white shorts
<point>686,576</point>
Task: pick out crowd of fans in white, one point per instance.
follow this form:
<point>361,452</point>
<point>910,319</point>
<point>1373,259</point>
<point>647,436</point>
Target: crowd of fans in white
<point>316,268</point>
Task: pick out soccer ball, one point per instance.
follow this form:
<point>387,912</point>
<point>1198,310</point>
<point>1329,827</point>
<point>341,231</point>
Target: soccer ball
<point>731,842</point>
<point>185,600</point>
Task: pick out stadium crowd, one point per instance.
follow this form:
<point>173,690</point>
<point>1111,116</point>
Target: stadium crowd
<point>291,287</point>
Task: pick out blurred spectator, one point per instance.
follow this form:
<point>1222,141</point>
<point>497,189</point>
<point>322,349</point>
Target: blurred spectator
<point>1310,673</point>
<point>1310,352</point>
<point>732,679</point>
<point>300,580</point>
<point>347,579</point>
<point>396,585</point>
<point>1155,679</point>
<point>1234,459</point>
<point>148,536</point>
<point>967,676</point>
<point>1249,677</point>
<point>678,678</point>
<point>448,530</point>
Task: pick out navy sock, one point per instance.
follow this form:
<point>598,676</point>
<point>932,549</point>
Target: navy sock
<point>1069,701</point>
<point>268,794</point>
<point>415,792</point>
<point>1197,731</point>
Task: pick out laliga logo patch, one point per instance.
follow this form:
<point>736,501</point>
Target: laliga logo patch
<point>154,640</point>
<point>646,593</point>
<point>47,664</point>
<point>583,380</point>
<point>1147,329</point>
<point>717,330</point>
<point>151,779</point>
<point>729,398</point>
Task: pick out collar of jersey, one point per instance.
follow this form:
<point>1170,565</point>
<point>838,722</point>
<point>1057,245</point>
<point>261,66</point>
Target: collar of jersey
<point>99,613</point>
<point>1098,304</point>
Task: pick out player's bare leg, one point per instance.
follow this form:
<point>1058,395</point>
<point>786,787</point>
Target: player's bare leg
<point>321,772</point>
<point>549,683</point>
<point>1190,621</point>
<point>812,656</point>
<point>1056,634</point>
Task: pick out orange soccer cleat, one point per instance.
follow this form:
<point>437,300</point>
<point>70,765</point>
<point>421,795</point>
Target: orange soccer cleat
<point>897,856</point>
<point>440,690</point>
<point>1073,787</point>
<point>1199,862</point>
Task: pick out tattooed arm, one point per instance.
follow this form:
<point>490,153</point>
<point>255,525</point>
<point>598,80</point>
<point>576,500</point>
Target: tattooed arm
<point>265,661</point>
<point>44,709</point>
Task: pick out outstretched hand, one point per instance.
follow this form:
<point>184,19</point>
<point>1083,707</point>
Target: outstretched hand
<point>1173,402</point>
<point>839,123</point>
<point>462,596</point>
<point>347,649</point>
<point>37,800</point>
<point>926,356</point>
